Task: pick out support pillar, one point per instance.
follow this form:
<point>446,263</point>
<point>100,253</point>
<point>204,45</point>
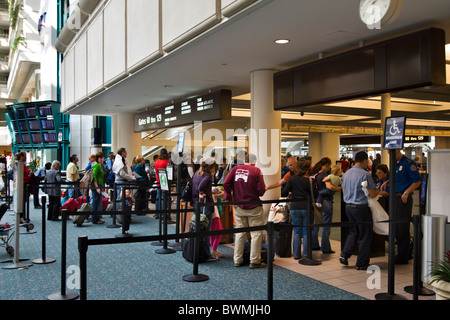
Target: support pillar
<point>324,144</point>
<point>123,135</point>
<point>265,135</point>
<point>315,149</point>
<point>385,113</point>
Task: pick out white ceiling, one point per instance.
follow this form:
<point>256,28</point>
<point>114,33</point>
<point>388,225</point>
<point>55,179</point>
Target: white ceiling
<point>225,56</point>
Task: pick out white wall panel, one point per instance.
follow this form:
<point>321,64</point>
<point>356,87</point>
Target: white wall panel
<point>114,41</point>
<point>179,18</point>
<point>69,74</point>
<point>95,56</point>
<point>230,7</point>
<point>142,32</point>
<point>80,70</point>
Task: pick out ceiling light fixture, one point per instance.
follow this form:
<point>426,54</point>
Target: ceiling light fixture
<point>282,41</point>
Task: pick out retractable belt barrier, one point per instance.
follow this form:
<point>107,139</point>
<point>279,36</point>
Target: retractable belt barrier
<point>163,237</point>
<point>84,243</point>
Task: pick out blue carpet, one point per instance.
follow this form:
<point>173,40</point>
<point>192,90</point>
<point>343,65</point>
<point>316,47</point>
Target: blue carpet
<point>135,272</point>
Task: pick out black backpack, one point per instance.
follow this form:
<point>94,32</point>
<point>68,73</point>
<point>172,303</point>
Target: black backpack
<point>186,193</point>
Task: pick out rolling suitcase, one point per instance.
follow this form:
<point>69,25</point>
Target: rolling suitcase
<point>282,238</point>
<point>79,219</point>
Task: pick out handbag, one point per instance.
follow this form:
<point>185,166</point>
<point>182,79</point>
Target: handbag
<point>318,216</point>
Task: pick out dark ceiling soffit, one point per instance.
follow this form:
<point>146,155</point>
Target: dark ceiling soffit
<point>413,61</point>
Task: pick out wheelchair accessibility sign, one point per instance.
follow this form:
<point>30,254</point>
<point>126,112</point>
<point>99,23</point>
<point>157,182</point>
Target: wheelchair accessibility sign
<point>394,133</point>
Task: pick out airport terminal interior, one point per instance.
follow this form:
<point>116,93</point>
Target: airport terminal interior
<point>201,78</point>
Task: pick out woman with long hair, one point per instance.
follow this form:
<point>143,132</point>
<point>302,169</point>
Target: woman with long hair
<point>202,191</point>
<point>320,172</point>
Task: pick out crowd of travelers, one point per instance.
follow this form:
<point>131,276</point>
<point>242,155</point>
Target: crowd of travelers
<point>239,179</point>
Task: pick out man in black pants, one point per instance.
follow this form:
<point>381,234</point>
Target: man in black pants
<point>407,179</point>
<point>358,211</point>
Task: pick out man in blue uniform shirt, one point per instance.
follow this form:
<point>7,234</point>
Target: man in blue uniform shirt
<point>358,211</point>
<point>407,179</point>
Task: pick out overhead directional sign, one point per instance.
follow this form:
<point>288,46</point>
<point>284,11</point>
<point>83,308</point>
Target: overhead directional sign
<point>209,107</point>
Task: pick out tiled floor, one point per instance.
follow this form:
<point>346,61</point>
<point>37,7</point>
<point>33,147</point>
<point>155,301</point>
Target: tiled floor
<point>352,280</point>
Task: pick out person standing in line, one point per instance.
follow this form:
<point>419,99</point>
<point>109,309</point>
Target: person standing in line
<point>358,211</point>
<point>292,164</point>
<point>161,163</point>
<point>299,186</point>
<point>245,182</point>
<point>40,176</point>
<point>407,179</point>
<point>27,176</point>
<point>73,176</point>
<point>202,191</point>
<point>53,191</point>
<point>141,194</point>
<point>319,172</point>
<point>97,192</point>
<point>122,175</point>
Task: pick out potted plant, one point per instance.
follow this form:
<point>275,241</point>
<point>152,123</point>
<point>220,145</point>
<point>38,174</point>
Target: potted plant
<point>441,278</point>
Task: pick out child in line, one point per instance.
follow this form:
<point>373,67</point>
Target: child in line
<point>335,179</point>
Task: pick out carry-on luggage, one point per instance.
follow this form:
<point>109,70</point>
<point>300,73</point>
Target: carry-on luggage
<point>187,244</point>
<point>79,219</point>
<point>282,240</point>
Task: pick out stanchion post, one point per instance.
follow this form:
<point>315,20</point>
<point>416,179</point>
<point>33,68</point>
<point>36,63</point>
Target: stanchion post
<point>195,276</point>
<point>270,255</point>
<point>309,261</point>
<point>158,200</point>
<point>113,196</point>
<point>390,295</point>
<point>44,259</point>
<point>63,295</point>
<point>83,248</point>
<point>417,289</point>
<point>164,249</point>
<point>124,233</point>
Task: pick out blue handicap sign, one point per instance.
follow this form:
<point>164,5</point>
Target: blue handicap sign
<point>394,133</point>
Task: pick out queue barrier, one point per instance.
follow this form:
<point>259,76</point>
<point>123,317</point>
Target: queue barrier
<point>195,276</point>
<point>84,243</point>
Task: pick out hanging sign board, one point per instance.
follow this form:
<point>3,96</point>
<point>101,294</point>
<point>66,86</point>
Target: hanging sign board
<point>394,133</point>
<point>209,107</point>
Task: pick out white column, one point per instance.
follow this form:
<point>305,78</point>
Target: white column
<point>385,113</point>
<point>266,125</point>
<point>123,135</point>
<point>315,149</point>
<point>330,146</point>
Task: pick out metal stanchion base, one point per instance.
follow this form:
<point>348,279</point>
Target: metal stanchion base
<point>176,246</point>
<point>43,261</point>
<point>165,251</point>
<point>28,232</point>
<point>124,235</point>
<point>388,296</point>
<point>422,291</point>
<point>309,262</point>
<point>60,297</point>
<point>5,261</point>
<point>195,277</point>
<point>19,265</point>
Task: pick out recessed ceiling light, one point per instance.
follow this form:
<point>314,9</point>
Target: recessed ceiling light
<point>282,41</point>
